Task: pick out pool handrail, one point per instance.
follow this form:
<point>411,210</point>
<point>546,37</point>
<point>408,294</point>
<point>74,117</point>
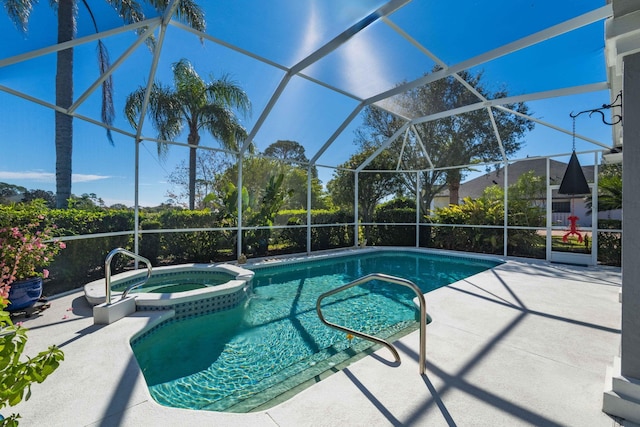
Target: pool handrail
<point>390,279</point>
<point>107,272</point>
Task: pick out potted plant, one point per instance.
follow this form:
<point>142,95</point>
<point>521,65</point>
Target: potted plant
<point>25,251</point>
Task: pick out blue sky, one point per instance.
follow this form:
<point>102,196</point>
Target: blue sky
<point>284,32</point>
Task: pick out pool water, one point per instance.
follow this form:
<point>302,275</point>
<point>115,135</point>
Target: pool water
<point>251,357</point>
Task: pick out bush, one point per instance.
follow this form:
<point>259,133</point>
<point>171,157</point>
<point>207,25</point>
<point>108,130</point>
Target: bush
<point>393,235</point>
<point>83,260</point>
<point>610,243</point>
<point>470,239</point>
<point>338,236</point>
<point>150,242</point>
<point>193,246</point>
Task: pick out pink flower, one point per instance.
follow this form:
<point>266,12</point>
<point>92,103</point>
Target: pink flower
<point>25,251</point>
<point>4,291</point>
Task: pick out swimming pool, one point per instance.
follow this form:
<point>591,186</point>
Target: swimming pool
<point>259,353</point>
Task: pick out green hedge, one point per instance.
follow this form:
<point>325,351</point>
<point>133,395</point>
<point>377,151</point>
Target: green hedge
<point>392,235</point>
<point>610,243</point>
<point>83,260</point>
<point>482,239</point>
<point>196,246</point>
<point>338,236</point>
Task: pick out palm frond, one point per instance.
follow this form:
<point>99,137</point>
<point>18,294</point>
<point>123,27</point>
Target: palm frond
<point>129,11</point>
<point>227,92</point>
<point>108,110</point>
<point>188,12</point>
<point>19,12</point>
<point>189,85</point>
<point>165,112</point>
<point>133,106</point>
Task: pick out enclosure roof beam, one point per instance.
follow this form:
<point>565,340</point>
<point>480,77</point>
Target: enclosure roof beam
<point>424,149</point>
<point>556,30</point>
<point>150,80</point>
<point>337,132</point>
<point>323,51</point>
<point>77,42</point>
<point>141,39</point>
<point>559,129</point>
<point>384,146</point>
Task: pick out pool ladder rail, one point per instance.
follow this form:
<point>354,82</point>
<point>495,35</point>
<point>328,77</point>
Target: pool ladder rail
<point>107,272</point>
<point>389,279</point>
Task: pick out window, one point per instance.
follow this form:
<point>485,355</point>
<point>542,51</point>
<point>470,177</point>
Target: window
<point>564,206</point>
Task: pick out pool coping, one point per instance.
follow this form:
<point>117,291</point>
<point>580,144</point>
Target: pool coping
<point>95,291</point>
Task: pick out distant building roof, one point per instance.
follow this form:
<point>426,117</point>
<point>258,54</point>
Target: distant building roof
<point>475,187</point>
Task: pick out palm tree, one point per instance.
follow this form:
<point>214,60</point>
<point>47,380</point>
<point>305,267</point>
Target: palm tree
<point>609,189</point>
<point>194,104</point>
<point>67,12</point>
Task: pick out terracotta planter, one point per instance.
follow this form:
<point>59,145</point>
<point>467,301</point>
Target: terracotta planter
<point>24,293</point>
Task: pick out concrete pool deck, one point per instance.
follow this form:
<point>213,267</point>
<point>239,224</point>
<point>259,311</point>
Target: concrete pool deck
<point>524,344</point>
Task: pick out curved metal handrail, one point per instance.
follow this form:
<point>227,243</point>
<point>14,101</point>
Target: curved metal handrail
<point>107,272</point>
<point>390,279</point>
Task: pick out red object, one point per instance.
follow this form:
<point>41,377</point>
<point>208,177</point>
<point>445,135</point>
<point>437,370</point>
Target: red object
<point>573,229</point>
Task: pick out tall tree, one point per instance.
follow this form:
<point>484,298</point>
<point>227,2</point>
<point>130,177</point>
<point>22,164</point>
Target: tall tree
<point>294,165</point>
<point>287,150</point>
<point>196,105</point>
<point>292,152</point>
<point>372,186</point>
<point>258,170</point>
<point>209,163</point>
<point>131,11</point>
<point>457,140</point>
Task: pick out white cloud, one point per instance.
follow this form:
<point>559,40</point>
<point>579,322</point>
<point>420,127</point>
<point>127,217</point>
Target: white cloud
<point>39,176</point>
<point>313,33</point>
<point>360,58</point>
<point>78,177</point>
<point>362,70</point>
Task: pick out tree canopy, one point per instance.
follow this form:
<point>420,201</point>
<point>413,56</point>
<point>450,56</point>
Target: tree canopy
<point>456,140</point>
<point>372,186</point>
<point>214,174</point>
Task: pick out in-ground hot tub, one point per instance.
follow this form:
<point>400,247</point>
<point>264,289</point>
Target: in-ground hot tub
<point>184,288</point>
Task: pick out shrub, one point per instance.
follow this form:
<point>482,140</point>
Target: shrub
<point>16,375</point>
<point>25,250</point>
<point>337,236</point>
<point>83,260</point>
<point>393,235</point>
<point>150,242</point>
<point>610,243</point>
<point>192,246</point>
<point>471,239</point>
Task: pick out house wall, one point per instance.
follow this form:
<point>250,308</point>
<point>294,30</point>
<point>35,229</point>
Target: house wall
<point>579,209</point>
